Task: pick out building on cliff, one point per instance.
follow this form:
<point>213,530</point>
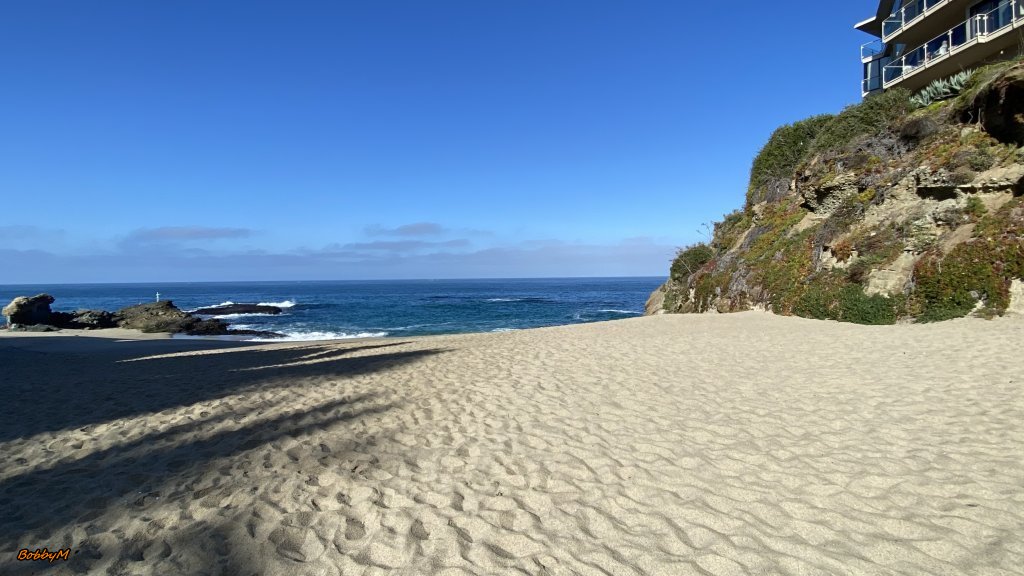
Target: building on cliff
<point>923,40</point>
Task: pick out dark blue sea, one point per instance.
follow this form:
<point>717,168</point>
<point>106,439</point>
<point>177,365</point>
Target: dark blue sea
<point>358,309</point>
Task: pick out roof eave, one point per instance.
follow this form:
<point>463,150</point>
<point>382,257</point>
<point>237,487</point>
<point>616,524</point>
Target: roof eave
<point>872,26</point>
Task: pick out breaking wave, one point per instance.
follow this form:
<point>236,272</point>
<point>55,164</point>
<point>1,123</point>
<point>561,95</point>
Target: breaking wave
<point>314,335</point>
<point>236,316</point>
<point>282,304</point>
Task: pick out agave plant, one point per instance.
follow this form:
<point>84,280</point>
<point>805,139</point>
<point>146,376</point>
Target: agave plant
<point>941,89</point>
<point>958,81</point>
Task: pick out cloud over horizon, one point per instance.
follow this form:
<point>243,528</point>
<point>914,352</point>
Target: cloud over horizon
<point>401,246</point>
<point>354,261</point>
<point>184,234</point>
<point>220,253</point>
<point>414,229</point>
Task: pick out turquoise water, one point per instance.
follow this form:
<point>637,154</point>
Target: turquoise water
<point>352,309</point>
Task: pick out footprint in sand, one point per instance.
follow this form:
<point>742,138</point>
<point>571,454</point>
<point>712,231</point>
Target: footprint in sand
<point>419,531</point>
<point>354,529</point>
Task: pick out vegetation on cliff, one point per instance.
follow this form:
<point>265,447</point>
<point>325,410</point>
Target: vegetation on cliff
<point>884,212</point>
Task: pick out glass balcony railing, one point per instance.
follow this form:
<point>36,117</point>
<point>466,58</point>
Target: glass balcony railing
<point>871,84</point>
<point>908,14</point>
<point>977,28</point>
<point>871,49</point>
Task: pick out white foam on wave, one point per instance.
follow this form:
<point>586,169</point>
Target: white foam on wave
<point>615,311</point>
<point>225,303</point>
<point>415,326</point>
<point>503,300</point>
<point>249,315</point>
<point>282,304</point>
<point>314,335</point>
<point>504,329</point>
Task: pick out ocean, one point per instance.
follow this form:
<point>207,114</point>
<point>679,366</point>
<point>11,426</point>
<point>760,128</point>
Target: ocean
<point>359,309</point>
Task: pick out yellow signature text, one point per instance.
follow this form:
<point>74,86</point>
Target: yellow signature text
<point>26,555</point>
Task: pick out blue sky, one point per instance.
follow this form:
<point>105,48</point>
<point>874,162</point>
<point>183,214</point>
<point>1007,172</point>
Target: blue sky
<point>195,140</point>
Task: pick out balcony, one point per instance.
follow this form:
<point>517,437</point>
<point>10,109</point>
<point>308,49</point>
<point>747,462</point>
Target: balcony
<point>909,14</point>
<point>979,29</point>
<point>869,50</point>
<point>869,85</point>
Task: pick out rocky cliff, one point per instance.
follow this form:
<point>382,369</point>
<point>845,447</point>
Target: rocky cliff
<point>879,214</point>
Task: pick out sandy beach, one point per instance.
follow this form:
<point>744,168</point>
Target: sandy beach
<point>668,445</point>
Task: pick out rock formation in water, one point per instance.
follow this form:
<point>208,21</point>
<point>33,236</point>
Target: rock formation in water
<point>33,314</point>
<point>225,309</point>
<point>29,310</point>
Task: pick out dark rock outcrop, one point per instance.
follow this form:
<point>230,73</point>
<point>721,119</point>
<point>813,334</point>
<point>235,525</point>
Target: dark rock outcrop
<point>33,328</point>
<point>238,309</point>
<point>29,310</point>
<point>94,319</point>
<point>164,316</point>
<point>33,314</point>
<point>999,105</point>
<point>83,320</point>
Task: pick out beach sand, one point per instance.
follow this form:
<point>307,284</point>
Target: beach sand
<point>711,444</point>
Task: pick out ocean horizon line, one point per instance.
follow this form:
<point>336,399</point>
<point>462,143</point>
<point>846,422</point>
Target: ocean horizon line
<point>373,280</point>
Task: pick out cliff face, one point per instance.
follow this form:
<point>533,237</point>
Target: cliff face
<point>878,214</point>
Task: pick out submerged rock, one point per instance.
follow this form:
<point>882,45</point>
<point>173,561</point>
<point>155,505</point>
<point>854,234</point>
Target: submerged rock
<point>225,309</point>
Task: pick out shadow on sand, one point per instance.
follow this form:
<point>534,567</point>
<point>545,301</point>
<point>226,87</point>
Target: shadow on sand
<point>161,466</point>
<point>34,380</point>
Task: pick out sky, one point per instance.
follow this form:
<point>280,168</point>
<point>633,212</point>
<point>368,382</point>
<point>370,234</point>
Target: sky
<point>190,140</point>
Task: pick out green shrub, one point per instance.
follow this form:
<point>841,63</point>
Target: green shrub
<point>707,287</point>
<point>975,208</point>
<point>691,259</point>
<point>785,150</point>
<point>817,302</point>
<point>827,298</point>
<point>857,307</point>
<point>873,116</point>
<point>976,271</point>
<point>980,161</point>
<point>729,229</point>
